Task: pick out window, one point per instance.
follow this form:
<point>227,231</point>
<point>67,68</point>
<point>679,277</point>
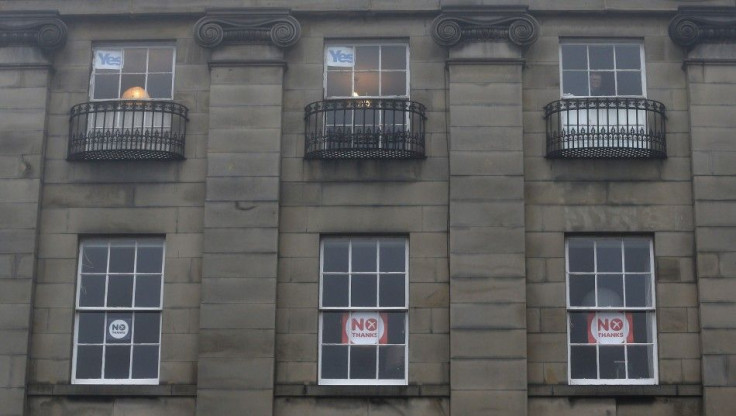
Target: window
<point>138,75</point>
<point>367,70</point>
<point>611,311</point>
<point>363,311</point>
<point>117,334</point>
<point>590,73</point>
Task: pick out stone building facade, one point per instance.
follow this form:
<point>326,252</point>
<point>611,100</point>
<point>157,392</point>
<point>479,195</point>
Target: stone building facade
<point>367,208</point>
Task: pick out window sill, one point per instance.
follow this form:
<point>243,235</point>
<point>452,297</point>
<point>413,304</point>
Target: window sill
<point>174,390</point>
<point>543,390</point>
<point>311,390</point>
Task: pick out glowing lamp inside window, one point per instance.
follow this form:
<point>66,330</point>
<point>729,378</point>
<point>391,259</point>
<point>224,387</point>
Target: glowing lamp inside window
<point>135,93</point>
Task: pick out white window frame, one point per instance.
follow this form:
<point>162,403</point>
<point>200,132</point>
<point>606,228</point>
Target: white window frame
<point>602,117</point>
<point>649,310</point>
<point>105,309</point>
<point>350,309</point>
<point>143,45</point>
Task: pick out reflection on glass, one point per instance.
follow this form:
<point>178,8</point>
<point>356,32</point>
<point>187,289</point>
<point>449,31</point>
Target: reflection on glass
<point>600,56</point>
<point>335,290</point>
<point>392,290</point>
<point>612,362</point>
<point>134,60</point>
<point>92,291</point>
<point>608,253</point>
<point>362,362</point>
<point>117,361</point>
<point>580,255</point>
<point>581,287</point>
<point>574,57</point>
<point>393,57</point>
<point>583,362</point>
<point>145,361</point>
<point>160,59</point>
<point>335,256</point>
<point>339,84</point>
<point>575,83</point>
<point>332,327</point>
<point>364,256</point>
<point>334,361</point>
<point>391,362</point>
<point>120,291</point>
<point>628,57</point>
<point>610,290</point>
<point>94,259</point>
<point>363,290</point>
<point>89,361</point>
<point>366,57</point>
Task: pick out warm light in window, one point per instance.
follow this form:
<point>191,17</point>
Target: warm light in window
<point>355,94</point>
<point>135,93</point>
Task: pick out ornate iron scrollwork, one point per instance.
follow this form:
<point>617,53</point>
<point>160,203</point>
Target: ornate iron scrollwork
<point>700,25</point>
<point>44,30</point>
<point>277,27</point>
<point>452,27</point>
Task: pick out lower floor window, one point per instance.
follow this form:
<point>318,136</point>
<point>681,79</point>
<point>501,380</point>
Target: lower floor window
<point>118,319</point>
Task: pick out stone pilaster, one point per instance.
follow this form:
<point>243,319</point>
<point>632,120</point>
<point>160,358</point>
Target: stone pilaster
<point>709,36</point>
<point>238,311</point>
<point>26,43</point>
<point>487,249</point>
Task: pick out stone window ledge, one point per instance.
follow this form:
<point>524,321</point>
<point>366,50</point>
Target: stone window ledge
<point>543,390</point>
<point>311,390</point>
<point>181,390</point>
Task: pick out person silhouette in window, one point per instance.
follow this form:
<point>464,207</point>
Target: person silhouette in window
<point>601,84</point>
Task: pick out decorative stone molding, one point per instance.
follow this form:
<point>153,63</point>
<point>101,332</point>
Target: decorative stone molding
<point>694,25</point>
<point>242,26</point>
<point>457,25</point>
<point>44,30</point>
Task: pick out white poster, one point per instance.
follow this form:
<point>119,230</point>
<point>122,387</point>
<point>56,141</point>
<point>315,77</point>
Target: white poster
<point>340,56</point>
<point>108,59</point>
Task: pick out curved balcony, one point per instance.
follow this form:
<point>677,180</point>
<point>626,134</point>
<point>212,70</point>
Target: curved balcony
<point>127,130</point>
<point>606,127</point>
<point>364,129</point>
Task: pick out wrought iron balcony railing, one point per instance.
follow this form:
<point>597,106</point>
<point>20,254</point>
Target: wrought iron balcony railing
<point>605,127</point>
<point>127,130</point>
<point>364,129</point>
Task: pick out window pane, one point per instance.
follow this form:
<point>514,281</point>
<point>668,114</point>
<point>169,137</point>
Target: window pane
<point>333,327</point>
<point>575,83</point>
<point>134,60</point>
<point>629,83</point>
<point>120,291</point>
<point>335,256</point>
<point>159,85</point>
<point>363,290</point>
<point>643,327</point>
<point>574,57</point>
<point>106,86</point>
<point>636,252</point>
<point>393,255</point>
<point>91,328</point>
<point>640,361</point>
<point>128,81</point>
<point>147,327</point>
<point>396,331</point>
<point>609,255</point>
<point>335,290</point>
<point>145,361</point>
<point>579,327</point>
<point>148,291</point>
<point>364,256</point>
<point>94,259</point>
<point>122,259</point>
<point>612,362</point>
<point>583,362</point>
<point>393,57</point>
<point>160,59</point>
<point>92,291</point>
<point>392,290</point>
<point>393,83</point>
<point>339,84</point>
<point>610,290</point>
<point>366,57</point>
<point>602,84</point>
<point>601,56</point>
<point>366,83</point>
<point>638,290</point>
<point>118,327</point>
<point>391,362</point>
<point>117,361</point>
<point>582,290</point>
<point>580,255</point>
<point>89,361</point>
<point>335,361</point>
<point>362,362</point>
<point>628,57</point>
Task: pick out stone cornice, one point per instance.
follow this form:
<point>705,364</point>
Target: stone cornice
<point>43,29</point>
<point>242,26</point>
<point>694,25</point>
<point>483,24</point>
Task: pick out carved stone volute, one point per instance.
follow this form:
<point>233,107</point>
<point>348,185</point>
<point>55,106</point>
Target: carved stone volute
<point>243,26</point>
<point>695,25</point>
<point>43,29</point>
<point>454,26</point>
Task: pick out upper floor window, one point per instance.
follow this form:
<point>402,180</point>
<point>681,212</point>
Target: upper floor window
<point>133,72</point>
<point>611,311</point>
<point>117,336</point>
<point>602,69</point>
<point>367,70</point>
<point>363,311</point>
